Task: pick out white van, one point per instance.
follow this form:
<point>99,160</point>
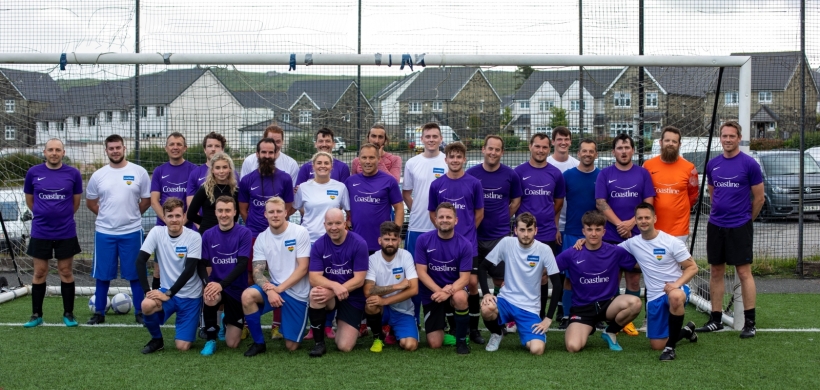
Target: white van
<point>448,135</point>
<point>16,218</point>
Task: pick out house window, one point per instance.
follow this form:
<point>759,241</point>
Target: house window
<point>730,98</point>
<point>437,106</point>
<point>651,99</point>
<point>619,128</point>
<point>76,121</point>
<point>60,126</point>
<point>524,104</point>
<point>305,116</point>
<point>764,96</point>
<point>10,105</point>
<point>286,117</point>
<point>347,117</point>
<point>43,126</point>
<point>546,130</point>
<point>160,111</point>
<point>92,121</point>
<point>414,108</point>
<point>11,133</point>
<point>123,116</point>
<point>623,99</point>
<point>481,106</point>
<point>575,105</point>
<point>109,116</point>
<point>143,111</point>
<point>545,105</point>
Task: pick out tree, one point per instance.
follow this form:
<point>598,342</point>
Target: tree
<point>559,117</point>
<point>506,117</point>
<point>522,74</point>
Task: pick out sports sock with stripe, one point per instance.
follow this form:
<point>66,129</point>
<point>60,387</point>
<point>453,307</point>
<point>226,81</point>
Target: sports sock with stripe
<point>462,319</point>
<point>317,324</point>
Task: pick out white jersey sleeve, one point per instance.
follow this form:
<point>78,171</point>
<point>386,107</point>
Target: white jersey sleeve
<point>497,254</point>
<point>298,198</point>
<point>249,165</point>
<point>679,251</point>
<point>150,243</point>
<point>408,264</point>
<point>259,247</point>
<point>345,202</point>
<point>549,261</point>
<point>194,244</point>
<point>145,184</point>
<point>91,191</point>
<point>303,243</point>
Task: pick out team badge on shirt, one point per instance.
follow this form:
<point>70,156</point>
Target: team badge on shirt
<point>290,244</point>
<point>332,194</point>
<point>128,179</point>
<point>659,252</point>
<point>397,272</point>
<point>181,251</point>
<point>532,260</point>
<point>438,172</point>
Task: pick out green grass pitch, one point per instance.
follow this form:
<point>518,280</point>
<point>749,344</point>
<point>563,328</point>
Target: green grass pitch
<point>88,358</point>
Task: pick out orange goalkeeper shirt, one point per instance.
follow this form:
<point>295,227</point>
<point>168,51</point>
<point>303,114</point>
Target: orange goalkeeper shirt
<point>676,190</point>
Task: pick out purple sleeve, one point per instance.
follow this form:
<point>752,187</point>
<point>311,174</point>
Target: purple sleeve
<point>393,192</point>
<point>561,259</point>
<point>515,186</point>
<point>344,171</point>
<point>627,261</point>
<point>561,188</point>
<point>600,186</point>
<point>708,173</point>
<point>420,257</point>
<point>191,188</point>
<point>78,182</point>
<point>244,191</point>
<point>432,199</point>
<point>245,244</point>
<point>304,173</point>
<point>316,264</point>
<point>648,187</point>
<point>287,185</point>
<point>755,174</point>
<point>361,260</point>
<point>156,186</point>
<point>478,195</point>
<point>465,261</point>
<point>28,185</point>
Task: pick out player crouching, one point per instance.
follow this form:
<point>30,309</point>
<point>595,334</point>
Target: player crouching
<point>388,266</point>
<point>177,249</point>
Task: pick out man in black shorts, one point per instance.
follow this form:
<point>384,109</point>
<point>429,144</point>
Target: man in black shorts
<point>53,195</point>
<point>729,235</point>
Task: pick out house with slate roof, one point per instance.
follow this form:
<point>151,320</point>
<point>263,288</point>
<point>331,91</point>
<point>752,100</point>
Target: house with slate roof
<point>328,103</point>
<point>386,103</point>
<point>459,97</point>
<point>24,95</point>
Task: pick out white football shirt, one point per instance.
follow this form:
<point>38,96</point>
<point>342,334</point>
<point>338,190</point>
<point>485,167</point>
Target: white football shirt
<point>283,162</point>
<point>317,199</point>
<point>385,273</point>
<point>571,162</point>
<point>281,251</point>
<point>419,173</point>
<point>119,191</point>
<point>659,259</point>
<point>523,268</point>
<point>171,254</point>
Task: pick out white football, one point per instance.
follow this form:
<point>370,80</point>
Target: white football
<point>92,307</point>
<point>121,303</point>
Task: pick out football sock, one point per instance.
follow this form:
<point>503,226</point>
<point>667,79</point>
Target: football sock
<point>417,308</point>
<point>545,292</point>
<point>152,323</point>
<point>717,316</point>
<point>635,293</point>
<point>254,321</point>
<point>675,325</point>
<point>451,319</point>
<point>749,314</point>
<point>374,321</point>
<point>101,296</point>
<point>462,319</point>
<point>38,294</point>
<point>329,318</point>
<point>155,284</point>
<point>613,327</point>
<point>567,300</point>
<point>493,326</point>
<point>211,316</point>
<point>137,295</point>
<point>474,307</point>
<point>495,290</point>
<point>277,318</point>
<point>67,291</point>
<point>317,324</point>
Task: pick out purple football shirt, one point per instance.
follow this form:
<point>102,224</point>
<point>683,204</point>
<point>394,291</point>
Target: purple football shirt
<point>539,189</point>
<point>172,181</point>
<point>445,260</point>
<point>223,249</point>
<point>339,262</point>
<point>340,172</point>
<point>466,194</point>
<point>499,188</point>
<point>595,275</point>
<point>371,202</point>
<point>255,191</point>
<point>53,191</point>
<point>732,179</point>
<point>623,190</point>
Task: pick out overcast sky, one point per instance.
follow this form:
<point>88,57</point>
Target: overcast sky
<point>706,27</point>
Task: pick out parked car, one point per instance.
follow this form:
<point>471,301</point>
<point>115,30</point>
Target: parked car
<point>340,145</point>
<point>781,179</point>
<point>16,219</point>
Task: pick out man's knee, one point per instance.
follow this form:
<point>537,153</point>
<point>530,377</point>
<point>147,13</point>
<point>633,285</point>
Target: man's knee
<point>291,345</point>
<point>183,345</point>
<point>657,344</point>
<point>677,298</point>
<point>489,312</point>
<point>409,344</point>
<point>460,300</point>
<point>574,346</point>
<point>149,306</point>
<point>249,300</point>
<point>744,272</point>
<point>536,347</point>
<point>371,310</point>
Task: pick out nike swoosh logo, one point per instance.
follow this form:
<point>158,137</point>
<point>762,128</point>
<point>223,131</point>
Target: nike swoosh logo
<point>326,256</point>
<point>430,250</point>
<point>253,188</point>
<point>442,190</point>
<point>355,184</point>
<point>40,178</point>
<point>611,181</point>
<point>526,177</point>
<point>580,261</point>
<point>165,176</point>
<point>214,246</point>
<point>201,178</point>
<point>654,172</point>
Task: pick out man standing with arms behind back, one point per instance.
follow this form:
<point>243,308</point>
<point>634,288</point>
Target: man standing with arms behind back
<point>729,234</point>
<point>388,163</point>
<point>117,194</point>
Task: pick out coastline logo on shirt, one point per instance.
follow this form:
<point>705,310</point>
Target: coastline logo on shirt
<point>397,272</point>
<point>625,193</point>
<point>181,251</point>
<point>337,269</point>
<point>456,204</point>
<point>532,260</point>
<point>332,194</point>
<point>727,183</point>
<point>128,179</point>
<point>667,189</point>
<point>367,198</point>
<point>595,278</point>
<point>491,194</point>
<point>180,187</point>
<point>538,190</point>
<point>659,252</point>
<point>290,244</point>
<point>443,267</point>
<point>230,259</point>
<point>53,196</point>
<point>438,172</point>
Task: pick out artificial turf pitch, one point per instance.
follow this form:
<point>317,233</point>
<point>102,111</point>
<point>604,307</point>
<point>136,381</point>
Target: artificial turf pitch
<point>109,357</point>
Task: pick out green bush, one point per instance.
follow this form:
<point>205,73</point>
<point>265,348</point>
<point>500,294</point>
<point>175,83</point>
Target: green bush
<point>767,144</point>
<point>512,142</point>
<point>812,139</point>
<point>15,166</point>
<point>301,148</point>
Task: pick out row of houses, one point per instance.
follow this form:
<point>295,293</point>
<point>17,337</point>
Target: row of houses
<point>196,101</point>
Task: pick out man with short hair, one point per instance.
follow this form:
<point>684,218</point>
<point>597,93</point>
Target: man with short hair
<point>117,194</point>
<point>226,248</point>
<point>676,185</point>
<point>338,266</point>
<point>730,234</point>
<point>525,260</point>
<point>390,282</point>
<point>170,180</point>
<point>419,173</point>
<point>467,196</point>
<point>283,248</point>
<point>661,257</point>
<point>618,189</point>
<point>561,159</point>
<point>542,196</point>
<point>444,261</point>
<point>283,161</point>
<point>211,144</point>
<point>178,251</point>
<point>593,271</point>
<point>387,162</point>
<point>324,141</point>
<point>580,185</point>
<point>372,193</point>
<point>53,192</point>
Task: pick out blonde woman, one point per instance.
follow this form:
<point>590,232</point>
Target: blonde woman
<point>221,180</point>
